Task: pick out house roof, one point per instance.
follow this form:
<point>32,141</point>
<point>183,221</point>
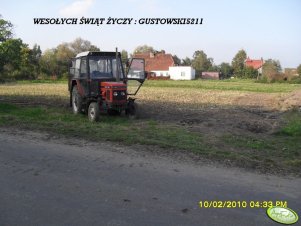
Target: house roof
<point>256,64</point>
<point>210,74</point>
<point>156,62</point>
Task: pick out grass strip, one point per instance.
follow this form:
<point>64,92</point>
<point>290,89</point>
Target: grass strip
<point>280,152</point>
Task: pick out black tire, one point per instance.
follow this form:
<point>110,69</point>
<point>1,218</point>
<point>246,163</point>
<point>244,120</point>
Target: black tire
<point>76,101</point>
<point>132,110</point>
<point>93,112</point>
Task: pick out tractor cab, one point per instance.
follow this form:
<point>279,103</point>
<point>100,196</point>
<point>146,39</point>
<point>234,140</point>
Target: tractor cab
<point>98,83</point>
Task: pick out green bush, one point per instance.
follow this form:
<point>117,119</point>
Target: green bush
<point>295,80</point>
<point>64,76</point>
<point>293,127</point>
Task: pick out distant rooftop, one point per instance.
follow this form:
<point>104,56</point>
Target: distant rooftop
<point>256,64</point>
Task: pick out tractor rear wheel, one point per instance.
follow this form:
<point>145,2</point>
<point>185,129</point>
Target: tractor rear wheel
<point>132,110</point>
<point>93,112</point>
<point>76,101</point>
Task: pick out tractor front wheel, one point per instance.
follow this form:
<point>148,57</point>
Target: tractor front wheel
<point>132,110</point>
<point>93,112</point>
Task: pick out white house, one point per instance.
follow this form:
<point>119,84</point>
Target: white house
<point>161,65</point>
<point>181,73</point>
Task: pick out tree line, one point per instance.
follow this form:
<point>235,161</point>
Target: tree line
<point>19,62</point>
<point>271,69</point>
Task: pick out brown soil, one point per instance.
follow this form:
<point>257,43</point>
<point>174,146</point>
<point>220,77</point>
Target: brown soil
<point>248,113</point>
<point>260,115</point>
<point>256,115</point>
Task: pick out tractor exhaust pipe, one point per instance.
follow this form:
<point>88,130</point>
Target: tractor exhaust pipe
<point>117,71</point>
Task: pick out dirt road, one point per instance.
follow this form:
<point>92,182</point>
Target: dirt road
<point>47,180</point>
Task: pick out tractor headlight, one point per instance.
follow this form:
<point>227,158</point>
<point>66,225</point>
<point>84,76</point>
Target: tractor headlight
<point>122,93</point>
<point>115,94</point>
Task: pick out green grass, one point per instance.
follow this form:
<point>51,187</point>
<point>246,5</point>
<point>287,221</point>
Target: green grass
<point>118,129</point>
<point>247,142</point>
<point>293,127</point>
<point>281,151</point>
<point>283,146</point>
<point>247,85</point>
<point>231,85</point>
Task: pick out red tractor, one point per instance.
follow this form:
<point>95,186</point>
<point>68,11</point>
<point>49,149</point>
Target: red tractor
<point>97,83</point>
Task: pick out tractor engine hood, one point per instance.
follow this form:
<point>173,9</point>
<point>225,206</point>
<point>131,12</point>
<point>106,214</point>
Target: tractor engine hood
<point>113,85</point>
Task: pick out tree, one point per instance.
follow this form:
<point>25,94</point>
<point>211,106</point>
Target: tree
<point>177,60</point>
<point>54,62</point>
<point>10,52</point>
<point>35,57</point>
<point>36,53</point>
<point>186,62</point>
<point>226,70</point>
<point>238,63</point>
<point>18,61</point>
<point>9,49</point>
<point>124,58</point>
<point>63,54</point>
<point>93,48</point>
<point>249,72</point>
<point>299,70</point>
<point>80,45</point>
<point>144,49</point>
<point>26,67</point>
<point>214,68</point>
<point>49,64</point>
<point>200,61</point>
<point>6,30</point>
<point>10,55</point>
<point>67,50</point>
<point>271,69</point>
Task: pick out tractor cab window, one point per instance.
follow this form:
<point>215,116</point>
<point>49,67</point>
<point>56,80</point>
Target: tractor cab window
<point>104,67</point>
<point>119,69</point>
<point>136,69</point>
<point>83,68</point>
<point>77,66</point>
<point>72,67</point>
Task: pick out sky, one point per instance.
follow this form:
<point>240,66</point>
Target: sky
<point>263,28</point>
